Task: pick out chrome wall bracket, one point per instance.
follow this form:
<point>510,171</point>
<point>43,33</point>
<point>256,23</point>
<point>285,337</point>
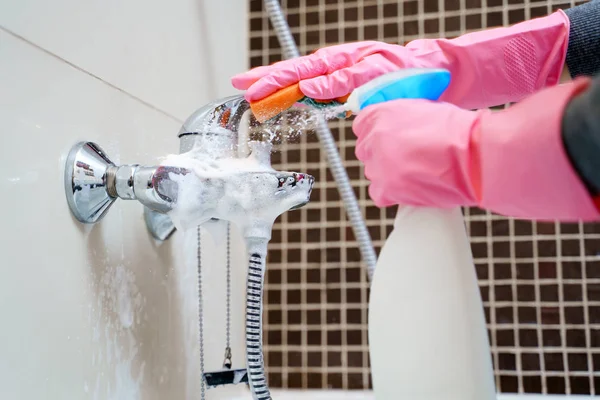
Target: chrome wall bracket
<point>93,183</point>
<point>86,182</point>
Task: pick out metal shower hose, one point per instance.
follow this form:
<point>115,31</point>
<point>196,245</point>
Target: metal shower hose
<point>290,50</point>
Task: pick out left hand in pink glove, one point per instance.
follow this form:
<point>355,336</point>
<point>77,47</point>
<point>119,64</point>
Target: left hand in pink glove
<point>489,67</point>
<point>511,162</point>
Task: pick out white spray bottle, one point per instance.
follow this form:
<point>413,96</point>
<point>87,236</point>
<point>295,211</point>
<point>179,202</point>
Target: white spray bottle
<point>427,333</point>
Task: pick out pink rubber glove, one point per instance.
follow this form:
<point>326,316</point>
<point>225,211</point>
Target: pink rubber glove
<point>489,68</point>
<point>511,162</point>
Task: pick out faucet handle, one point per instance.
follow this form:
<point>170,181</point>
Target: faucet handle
<point>93,183</point>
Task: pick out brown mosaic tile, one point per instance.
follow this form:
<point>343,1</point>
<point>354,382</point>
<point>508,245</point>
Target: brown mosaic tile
<point>592,269</point>
<point>294,380</point>
<point>594,314</point>
<point>532,384</point>
<point>552,338</point>
<point>473,22</point>
<point>313,337</point>
<point>554,362</point>
<point>525,270</point>
<point>508,384</point>
<point>577,362</point>
<point>556,385</point>
<point>294,338</point>
<point>334,380</point>
<point>452,24</point>
<point>540,281</point>
<point>537,12</point>
<point>294,317</point>
<point>502,271</point>
<point>530,362</point>
<point>494,19</point>
<point>550,315</point>
<point>576,338</point>
<point>526,293</point>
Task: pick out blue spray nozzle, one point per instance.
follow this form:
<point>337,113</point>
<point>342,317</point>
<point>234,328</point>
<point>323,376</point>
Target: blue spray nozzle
<point>414,83</point>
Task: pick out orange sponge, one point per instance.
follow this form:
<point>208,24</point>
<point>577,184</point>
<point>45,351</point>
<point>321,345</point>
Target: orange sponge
<point>276,103</point>
<point>283,100</point>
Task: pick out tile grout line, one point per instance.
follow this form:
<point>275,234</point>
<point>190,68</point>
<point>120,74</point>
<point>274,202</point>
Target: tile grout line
<point>88,73</point>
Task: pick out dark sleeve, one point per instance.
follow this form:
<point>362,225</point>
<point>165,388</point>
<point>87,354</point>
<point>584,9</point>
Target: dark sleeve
<point>581,135</point>
<point>583,52</point>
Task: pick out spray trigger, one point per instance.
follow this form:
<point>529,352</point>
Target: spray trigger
<point>412,83</point>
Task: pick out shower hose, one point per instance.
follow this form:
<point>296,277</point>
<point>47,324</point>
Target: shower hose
<point>290,50</point>
<point>257,379</point>
<point>254,353</point>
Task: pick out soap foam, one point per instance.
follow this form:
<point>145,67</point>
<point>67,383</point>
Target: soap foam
<point>290,125</point>
<point>245,191</point>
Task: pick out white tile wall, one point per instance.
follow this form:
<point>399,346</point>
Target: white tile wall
<point>105,312</point>
<point>174,55</point>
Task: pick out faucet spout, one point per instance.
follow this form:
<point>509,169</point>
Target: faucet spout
<point>213,119</point>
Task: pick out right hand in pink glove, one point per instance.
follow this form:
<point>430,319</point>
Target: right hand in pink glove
<point>488,68</point>
<point>511,162</point>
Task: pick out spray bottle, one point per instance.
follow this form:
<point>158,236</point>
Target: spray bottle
<point>427,334</point>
